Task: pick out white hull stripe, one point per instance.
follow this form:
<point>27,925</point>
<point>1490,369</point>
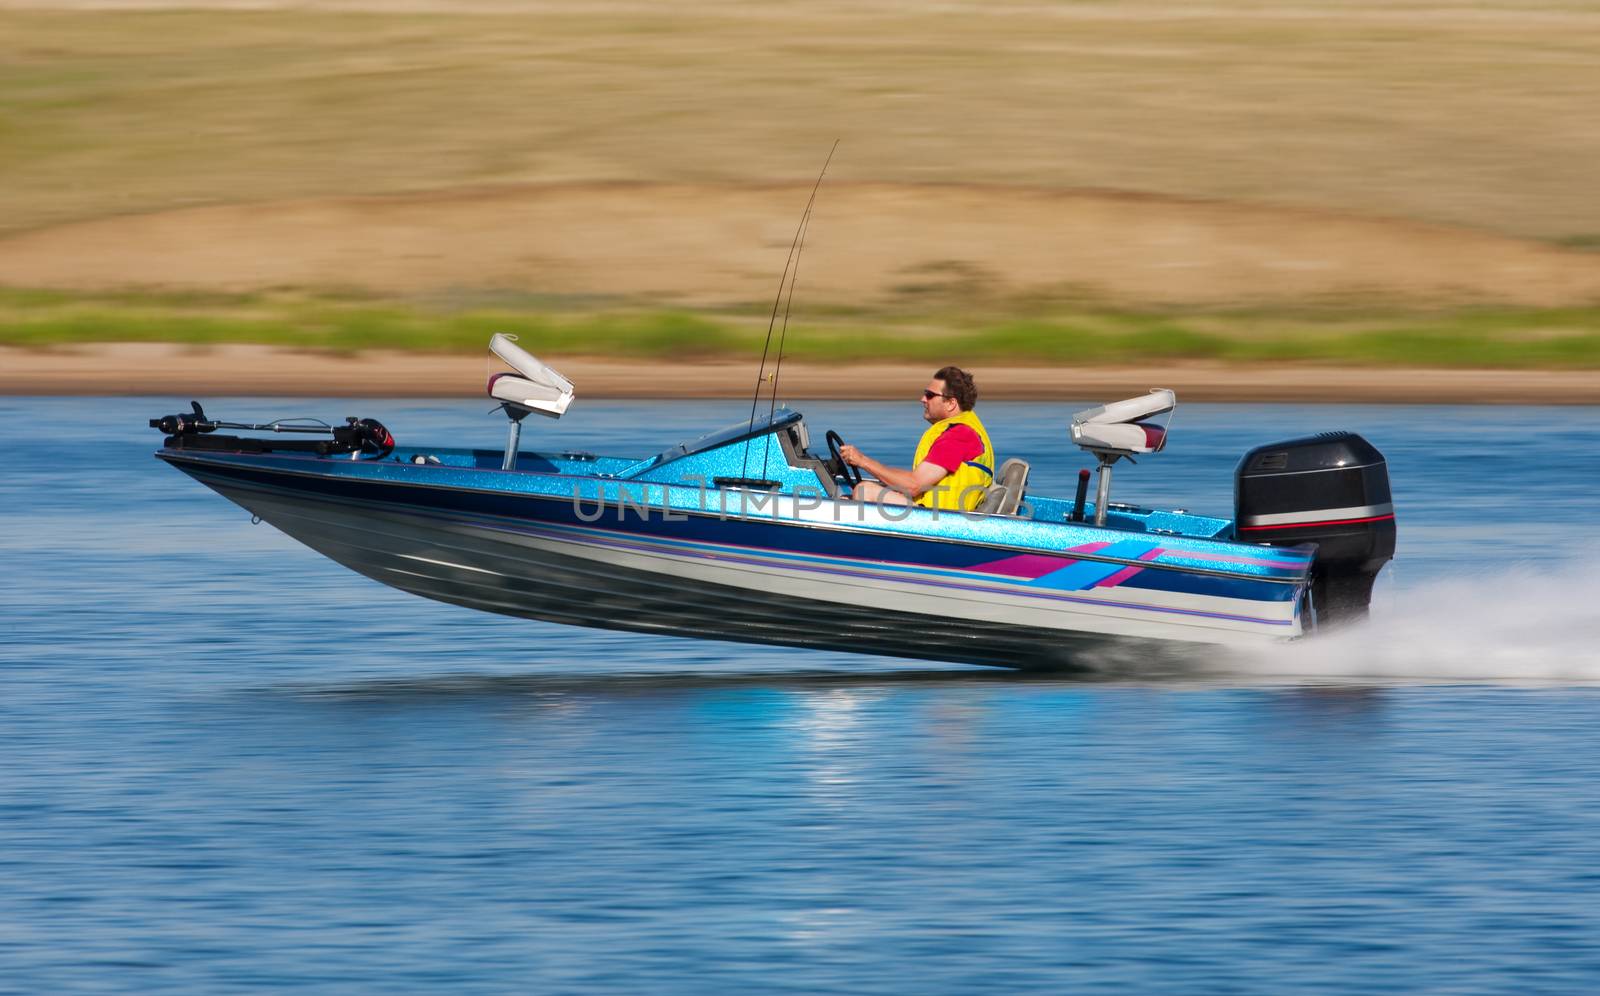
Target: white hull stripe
<point>1321,515</point>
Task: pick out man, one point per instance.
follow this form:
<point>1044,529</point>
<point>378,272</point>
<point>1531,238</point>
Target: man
<point>954,462</point>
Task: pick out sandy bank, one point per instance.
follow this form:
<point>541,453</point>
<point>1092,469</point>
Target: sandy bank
<point>875,243</point>
<point>164,369</point>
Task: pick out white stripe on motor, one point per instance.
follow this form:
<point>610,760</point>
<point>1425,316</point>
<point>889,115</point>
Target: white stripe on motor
<point>1321,515</point>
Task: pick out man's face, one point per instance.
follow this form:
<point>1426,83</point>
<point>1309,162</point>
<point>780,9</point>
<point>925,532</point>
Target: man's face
<point>935,405</point>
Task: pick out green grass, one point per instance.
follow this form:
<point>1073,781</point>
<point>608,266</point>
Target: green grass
<point>1566,338</point>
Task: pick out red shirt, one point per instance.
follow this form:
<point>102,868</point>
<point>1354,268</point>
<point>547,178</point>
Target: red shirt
<point>954,447</point>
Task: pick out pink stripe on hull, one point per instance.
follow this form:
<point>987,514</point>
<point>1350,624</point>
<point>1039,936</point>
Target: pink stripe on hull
<point>1024,565</point>
<point>1111,581</point>
<point>1036,565</point>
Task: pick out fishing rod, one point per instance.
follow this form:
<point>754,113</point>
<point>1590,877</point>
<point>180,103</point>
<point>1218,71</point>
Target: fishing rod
<point>793,259</point>
<point>788,306</point>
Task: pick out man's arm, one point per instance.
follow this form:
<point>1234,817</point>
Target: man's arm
<point>914,482</point>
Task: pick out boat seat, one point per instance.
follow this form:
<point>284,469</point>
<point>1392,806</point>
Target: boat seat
<point>1004,496</point>
<point>535,387</point>
<point>1120,430</point>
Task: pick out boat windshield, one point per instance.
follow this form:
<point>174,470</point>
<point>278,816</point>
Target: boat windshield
<point>737,432</point>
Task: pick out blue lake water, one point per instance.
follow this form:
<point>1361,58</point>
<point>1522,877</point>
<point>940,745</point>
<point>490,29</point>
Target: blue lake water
<point>231,765</point>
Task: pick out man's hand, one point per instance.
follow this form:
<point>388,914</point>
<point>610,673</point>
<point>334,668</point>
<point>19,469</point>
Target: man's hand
<point>911,483</point>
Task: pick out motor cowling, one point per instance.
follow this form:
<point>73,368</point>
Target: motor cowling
<point>1331,489</point>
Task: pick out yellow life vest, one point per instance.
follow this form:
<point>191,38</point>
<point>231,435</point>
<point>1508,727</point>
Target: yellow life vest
<point>962,489</point>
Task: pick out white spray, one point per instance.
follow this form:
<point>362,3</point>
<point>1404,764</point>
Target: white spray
<point>1527,622</point>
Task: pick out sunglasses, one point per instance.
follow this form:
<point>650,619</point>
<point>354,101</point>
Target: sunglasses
<point>930,395</point>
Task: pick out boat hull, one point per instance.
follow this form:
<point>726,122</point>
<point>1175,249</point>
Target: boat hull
<point>540,563</point>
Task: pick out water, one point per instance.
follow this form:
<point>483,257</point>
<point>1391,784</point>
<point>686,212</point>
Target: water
<point>231,765</point>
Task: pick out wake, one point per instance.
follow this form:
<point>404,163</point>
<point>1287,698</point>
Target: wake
<point>1525,623</point>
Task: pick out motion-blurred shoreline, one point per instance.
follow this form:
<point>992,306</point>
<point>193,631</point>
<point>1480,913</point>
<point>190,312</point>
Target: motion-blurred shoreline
<point>168,369</point>
<point>1369,200</point>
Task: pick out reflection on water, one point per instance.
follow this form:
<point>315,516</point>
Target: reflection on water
<point>233,765</point>
<point>647,683</point>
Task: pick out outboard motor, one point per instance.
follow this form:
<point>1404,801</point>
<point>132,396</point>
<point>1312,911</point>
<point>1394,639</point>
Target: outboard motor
<point>1331,489</point>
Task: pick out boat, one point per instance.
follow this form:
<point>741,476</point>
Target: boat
<point>749,534</point>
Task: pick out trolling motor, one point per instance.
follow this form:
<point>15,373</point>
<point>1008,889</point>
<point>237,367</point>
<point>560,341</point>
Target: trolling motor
<point>185,423</point>
<point>362,438</point>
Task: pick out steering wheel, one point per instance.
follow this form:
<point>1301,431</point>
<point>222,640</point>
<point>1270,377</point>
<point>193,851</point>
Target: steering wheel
<point>852,474</point>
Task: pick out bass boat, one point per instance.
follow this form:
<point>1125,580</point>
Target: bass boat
<point>748,534</point>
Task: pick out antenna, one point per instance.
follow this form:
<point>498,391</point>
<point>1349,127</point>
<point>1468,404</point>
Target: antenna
<point>793,259</point>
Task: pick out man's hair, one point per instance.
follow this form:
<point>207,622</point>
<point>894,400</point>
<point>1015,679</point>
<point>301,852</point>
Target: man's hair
<point>958,384</point>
